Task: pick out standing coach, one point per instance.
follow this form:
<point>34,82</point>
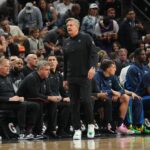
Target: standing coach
<point>80,59</point>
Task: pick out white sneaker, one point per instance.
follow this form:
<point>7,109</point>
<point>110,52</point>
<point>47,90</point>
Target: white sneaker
<point>29,136</point>
<point>147,122</point>
<point>26,137</point>
<point>77,135</point>
<point>83,128</point>
<point>71,128</point>
<point>21,137</point>
<point>91,131</point>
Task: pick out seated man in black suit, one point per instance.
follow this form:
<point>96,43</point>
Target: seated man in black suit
<point>10,101</point>
<point>61,109</point>
<point>35,88</point>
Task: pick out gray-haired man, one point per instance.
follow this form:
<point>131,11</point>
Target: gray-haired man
<point>34,87</point>
<point>80,59</point>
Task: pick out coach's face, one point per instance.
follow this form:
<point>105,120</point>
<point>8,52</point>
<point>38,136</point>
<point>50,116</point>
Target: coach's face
<point>45,71</point>
<point>72,28</point>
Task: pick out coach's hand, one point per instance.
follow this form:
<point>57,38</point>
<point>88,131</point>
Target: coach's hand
<point>54,98</point>
<point>65,85</point>
<point>91,73</point>
<point>16,99</point>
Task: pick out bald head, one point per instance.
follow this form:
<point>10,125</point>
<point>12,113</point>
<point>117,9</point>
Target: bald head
<point>30,56</point>
<point>32,60</point>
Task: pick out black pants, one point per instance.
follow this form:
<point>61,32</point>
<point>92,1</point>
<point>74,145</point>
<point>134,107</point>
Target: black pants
<point>57,112</point>
<point>23,110</point>
<point>50,116</point>
<point>80,90</point>
<point>39,119</point>
<point>64,113</point>
<point>107,105</point>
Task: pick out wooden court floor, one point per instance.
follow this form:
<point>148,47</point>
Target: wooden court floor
<point>109,143</point>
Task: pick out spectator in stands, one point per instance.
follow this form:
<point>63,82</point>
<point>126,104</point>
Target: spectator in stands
<point>31,64</point>
<point>111,12</point>
<point>106,33</point>
<point>102,55</point>
<point>123,73</point>
<point>74,12</point>
<point>63,6</point>
<point>36,43</point>
<point>122,60</point>
<point>55,3</point>
<point>3,43</point>
<point>14,30</point>
<point>147,39</point>
<point>49,14</point>
<point>115,48</point>
<point>30,17</point>
<point>147,49</point>
<point>23,2</point>
<point>12,47</point>
<point>53,41</point>
<point>141,45</point>
<point>18,37</point>
<point>84,7</point>
<point>10,101</point>
<point>89,22</point>
<point>131,31</point>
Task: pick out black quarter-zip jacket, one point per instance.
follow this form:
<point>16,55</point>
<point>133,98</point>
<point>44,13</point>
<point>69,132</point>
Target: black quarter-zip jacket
<point>79,56</point>
<point>34,87</point>
<point>55,80</point>
<point>6,89</point>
